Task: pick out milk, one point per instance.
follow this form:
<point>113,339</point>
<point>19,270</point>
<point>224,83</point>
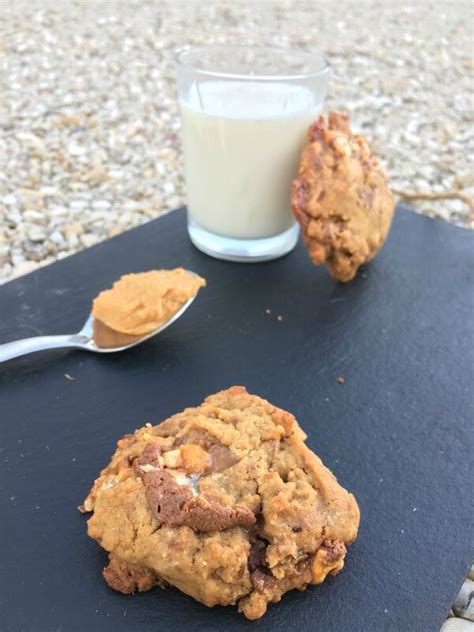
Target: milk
<point>242,142</point>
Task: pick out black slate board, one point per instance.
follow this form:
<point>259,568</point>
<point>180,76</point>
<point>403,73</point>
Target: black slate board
<point>397,433</point>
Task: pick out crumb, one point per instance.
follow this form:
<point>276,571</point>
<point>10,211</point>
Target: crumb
<point>340,380</point>
<point>268,311</point>
<point>279,318</point>
<point>69,377</point>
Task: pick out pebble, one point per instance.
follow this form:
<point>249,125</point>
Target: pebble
<point>10,200</point>
<point>25,267</point>
<point>101,205</point>
<point>49,190</point>
<point>78,205</point>
<point>113,231</point>
<point>464,603</point>
<point>90,132</point>
<point>57,238</point>
<point>36,234</point>
<point>57,212</point>
<point>72,230</point>
<point>34,216</point>
<point>457,625</point>
<point>89,240</point>
<point>76,150</point>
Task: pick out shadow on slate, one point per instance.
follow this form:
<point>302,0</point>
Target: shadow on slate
<point>398,433</point>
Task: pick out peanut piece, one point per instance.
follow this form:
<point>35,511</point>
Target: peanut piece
<point>195,459</point>
<point>172,458</point>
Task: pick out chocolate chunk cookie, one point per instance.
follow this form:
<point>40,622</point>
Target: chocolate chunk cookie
<point>223,501</point>
<point>341,198</point>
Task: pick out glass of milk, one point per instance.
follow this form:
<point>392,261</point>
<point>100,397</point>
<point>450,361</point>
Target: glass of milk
<point>244,113</point>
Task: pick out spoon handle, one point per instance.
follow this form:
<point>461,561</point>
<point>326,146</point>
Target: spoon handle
<point>17,348</point>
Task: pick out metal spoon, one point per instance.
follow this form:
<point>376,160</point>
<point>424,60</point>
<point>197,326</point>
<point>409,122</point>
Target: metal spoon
<point>82,340</point>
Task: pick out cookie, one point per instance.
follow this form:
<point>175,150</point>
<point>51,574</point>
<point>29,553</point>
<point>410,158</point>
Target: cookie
<point>225,502</point>
<point>341,198</point>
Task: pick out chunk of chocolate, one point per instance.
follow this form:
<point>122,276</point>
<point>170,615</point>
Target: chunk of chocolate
<point>176,505</point>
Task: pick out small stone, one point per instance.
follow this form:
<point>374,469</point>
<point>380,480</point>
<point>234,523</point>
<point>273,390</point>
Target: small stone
<point>126,218</point>
<point>86,195</point>
<point>30,202</point>
<point>36,234</point>
<point>132,129</point>
<point>10,199</point>
<point>115,67</point>
<point>49,190</point>
<point>34,216</point>
<point>279,318</point>
<point>340,380</point>
<point>101,205</point>
<point>76,150</point>
<point>57,238</point>
<point>116,174</point>
<point>29,139</point>
<point>25,268</point>
<point>89,240</point>
<point>456,625</point>
<point>130,205</point>
<point>57,211</point>
<point>95,176</point>
<point>68,121</point>
<point>72,230</point>
<point>35,254</point>
<point>115,230</point>
<point>445,133</point>
<point>32,193</point>
<point>464,179</point>
<point>464,603</point>
<point>78,205</point>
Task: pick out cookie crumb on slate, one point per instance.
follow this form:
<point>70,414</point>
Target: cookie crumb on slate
<point>69,377</point>
<point>268,311</point>
<point>340,380</point>
<point>279,318</point>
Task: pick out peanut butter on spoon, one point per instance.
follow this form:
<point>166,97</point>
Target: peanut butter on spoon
<point>138,304</point>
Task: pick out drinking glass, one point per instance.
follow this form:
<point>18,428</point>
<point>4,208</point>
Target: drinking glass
<point>244,114</point>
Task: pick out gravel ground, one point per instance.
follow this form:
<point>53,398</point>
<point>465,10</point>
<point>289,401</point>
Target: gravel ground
<point>90,133</point>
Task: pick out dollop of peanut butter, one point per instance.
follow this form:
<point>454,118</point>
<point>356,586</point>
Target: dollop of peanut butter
<point>138,304</point>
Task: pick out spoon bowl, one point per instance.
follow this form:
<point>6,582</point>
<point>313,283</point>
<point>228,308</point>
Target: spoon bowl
<point>84,339</point>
